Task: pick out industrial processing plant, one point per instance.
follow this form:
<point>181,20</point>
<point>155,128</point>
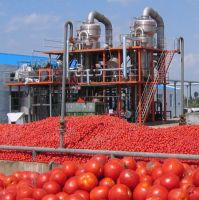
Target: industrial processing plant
<point>100,114</point>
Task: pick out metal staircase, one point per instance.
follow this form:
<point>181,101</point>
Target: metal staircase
<point>150,87</point>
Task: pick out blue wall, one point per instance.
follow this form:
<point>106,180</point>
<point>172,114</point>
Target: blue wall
<point>15,59</point>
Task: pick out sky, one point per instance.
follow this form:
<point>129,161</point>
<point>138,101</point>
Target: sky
<point>27,26</point>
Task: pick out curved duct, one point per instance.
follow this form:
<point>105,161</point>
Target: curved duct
<point>160,25</point>
<point>108,26</point>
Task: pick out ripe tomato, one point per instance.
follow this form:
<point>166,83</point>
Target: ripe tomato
<point>71,185</point>
<point>38,193</point>
<point>58,177</point>
<point>69,168</point>
<point>24,192</point>
<point>129,178</point>
<point>95,167</point>
<point>193,193</point>
<point>146,179</point>
<point>87,181</point>
<point>52,187</point>
<point>129,163</point>
<point>41,179</point>
<point>74,197</point>
<point>107,182</point>
<point>172,165</point>
<point>84,194</point>
<point>141,171</point>
<point>157,172</point>
<point>170,181</point>
<point>101,158</point>
<point>10,180</point>
<point>151,165</point>
<point>119,192</point>
<point>196,178</point>
<point>50,197</point>
<point>112,169</point>
<point>8,196</point>
<point>177,194</point>
<point>62,196</point>
<point>99,192</point>
<point>140,191</point>
<point>80,170</point>
<point>158,191</point>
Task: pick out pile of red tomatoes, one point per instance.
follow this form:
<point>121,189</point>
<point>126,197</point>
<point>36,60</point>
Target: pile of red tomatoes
<point>105,179</point>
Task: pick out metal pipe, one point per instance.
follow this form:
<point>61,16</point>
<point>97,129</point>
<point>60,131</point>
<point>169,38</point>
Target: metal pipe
<point>64,76</point>
<point>181,51</point>
<point>80,35</point>
<point>160,25</point>
<point>108,26</point>
<point>124,57</point>
<point>106,152</point>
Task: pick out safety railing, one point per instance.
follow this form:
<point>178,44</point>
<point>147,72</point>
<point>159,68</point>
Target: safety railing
<point>76,76</point>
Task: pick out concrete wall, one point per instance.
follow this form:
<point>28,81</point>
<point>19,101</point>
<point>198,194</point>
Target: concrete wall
<point>9,167</point>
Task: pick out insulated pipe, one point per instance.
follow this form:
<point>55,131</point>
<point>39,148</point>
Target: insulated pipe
<point>106,152</point>
<point>108,26</point>
<point>65,75</point>
<point>181,51</point>
<point>160,25</point>
<point>124,57</point>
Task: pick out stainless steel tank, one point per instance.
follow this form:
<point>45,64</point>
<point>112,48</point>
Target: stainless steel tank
<point>145,27</point>
<point>93,32</point>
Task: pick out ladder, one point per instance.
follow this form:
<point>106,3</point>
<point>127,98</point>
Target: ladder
<point>150,87</point>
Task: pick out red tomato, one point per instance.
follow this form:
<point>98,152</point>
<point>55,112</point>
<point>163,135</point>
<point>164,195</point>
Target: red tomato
<point>24,192</point>
<point>50,197</point>
<point>140,191</point>
<point>129,178</point>
<point>146,179</point>
<point>74,197</point>
<point>151,165</point>
<point>101,158</point>
<point>112,169</point>
<point>170,181</point>
<point>172,165</point>
<point>141,171</point>
<point>158,191</point>
<point>81,170</point>
<point>8,196</point>
<point>69,168</point>
<point>119,192</point>
<point>99,192</point>
<point>129,163</point>
<point>84,194</point>
<point>177,194</point>
<point>62,196</point>
<point>95,167</point>
<point>58,177</point>
<point>71,185</point>
<point>107,182</point>
<point>10,180</point>
<point>193,193</point>
<point>87,181</point>
<point>41,179</point>
<point>38,193</point>
<point>196,178</point>
<point>141,164</point>
<point>52,187</point>
<point>157,172</point>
